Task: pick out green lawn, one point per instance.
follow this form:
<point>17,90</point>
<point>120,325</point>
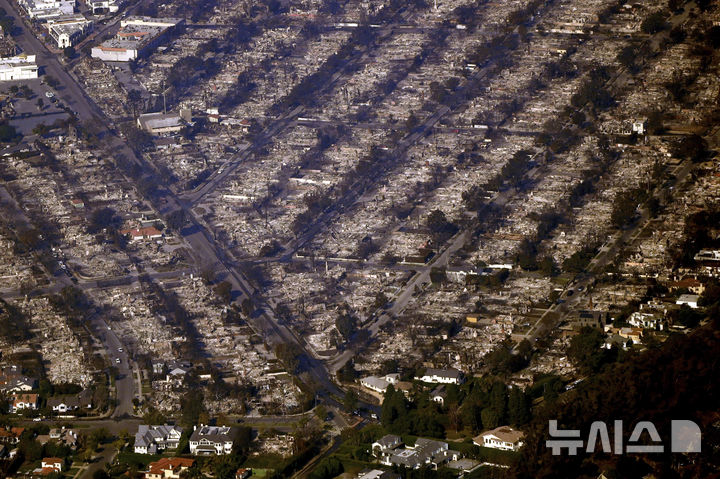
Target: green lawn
<point>261,472</point>
<point>265,461</point>
<point>143,460</point>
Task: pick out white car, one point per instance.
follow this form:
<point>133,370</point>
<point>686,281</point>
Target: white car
<point>117,360</point>
<point>49,94</point>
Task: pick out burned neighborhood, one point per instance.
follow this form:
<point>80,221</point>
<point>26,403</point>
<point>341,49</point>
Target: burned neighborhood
<point>357,239</point>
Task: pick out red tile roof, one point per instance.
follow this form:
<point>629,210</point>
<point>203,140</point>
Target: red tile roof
<point>12,432</point>
<point>169,463</point>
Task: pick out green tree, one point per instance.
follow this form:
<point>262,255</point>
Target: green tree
<point>470,413</point>
<point>194,472</point>
<point>345,324</point>
<point>578,261</point>
<point>327,469</point>
<point>585,349</point>
<point>692,147</point>
<point>135,100</point>
<point>224,291</point>
<point>490,418</point>
<point>103,218</point>
<point>518,407</point>
<point>137,138</point>
<point>288,354</point>
<point>624,208</point>
<point>192,407</point>
<point>474,198</point>
<point>627,57</point>
<point>439,226</point>
<point>394,407</point>
<point>499,400</point>
<point>176,220</point>
<point>51,81</point>
<point>548,267</point>
<point>350,400</point>
<point>347,372</point>
<point>321,412</point>
<point>653,23</point>
<point>153,416</point>
<point>8,133</point>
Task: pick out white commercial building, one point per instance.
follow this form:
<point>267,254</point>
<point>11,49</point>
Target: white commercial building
<point>69,30</point>
<point>104,6</point>
<point>136,37</point>
<point>159,123</point>
<point>44,9</point>
<point>21,67</point>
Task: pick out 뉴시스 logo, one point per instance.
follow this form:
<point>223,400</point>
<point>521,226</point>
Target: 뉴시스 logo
<point>685,437</point>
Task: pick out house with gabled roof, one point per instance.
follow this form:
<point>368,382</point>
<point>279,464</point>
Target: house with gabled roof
<point>19,402</point>
<point>386,444</point>
<point>152,439</point>
<point>211,440</point>
<point>54,463</point>
<point>168,468</point>
<point>11,435</point>
<point>15,383</point>
<point>428,452</point>
<point>441,376</point>
<point>63,404</point>
<point>503,437</point>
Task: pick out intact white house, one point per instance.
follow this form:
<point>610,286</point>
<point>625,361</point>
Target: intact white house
<point>19,402</point>
<point>21,67</point>
<point>424,452</point>
<point>52,464</point>
<point>64,404</point>
<point>211,440</point>
<point>152,439</point>
<point>439,395</point>
<point>17,384</point>
<point>503,437</point>
<point>441,376</point>
<point>379,384</point>
<point>644,320</point>
<point>688,299</point>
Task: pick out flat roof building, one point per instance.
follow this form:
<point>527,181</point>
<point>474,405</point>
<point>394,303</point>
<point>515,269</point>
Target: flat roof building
<point>135,39</point>
<point>159,123</point>
<point>44,9</point>
<point>99,7</point>
<point>70,32</point>
<point>21,67</point>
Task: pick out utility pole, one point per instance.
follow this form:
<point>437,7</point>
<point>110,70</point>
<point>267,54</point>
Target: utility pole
<point>162,85</point>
